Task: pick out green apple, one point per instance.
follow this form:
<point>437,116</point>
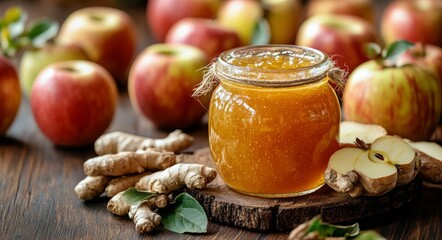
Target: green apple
<point>405,100</point>
<point>284,18</point>
<point>33,61</point>
<point>242,16</point>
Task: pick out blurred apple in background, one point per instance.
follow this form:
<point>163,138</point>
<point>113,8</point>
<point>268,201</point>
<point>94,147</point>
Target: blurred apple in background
<point>10,94</point>
<point>359,8</point>
<point>73,102</point>
<point>34,60</point>
<point>342,37</point>
<point>161,82</point>
<point>242,16</point>
<point>284,18</point>
<point>107,35</point>
<point>163,14</point>
<point>424,55</point>
<point>405,100</point>
<point>413,20</point>
<point>206,34</point>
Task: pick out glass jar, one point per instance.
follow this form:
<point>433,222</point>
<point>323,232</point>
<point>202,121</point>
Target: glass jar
<point>273,119</point>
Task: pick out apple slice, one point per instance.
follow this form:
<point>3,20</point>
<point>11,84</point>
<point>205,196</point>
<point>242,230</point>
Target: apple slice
<point>399,153</point>
<point>340,174</point>
<point>376,176</point>
<point>350,130</point>
<point>430,154</point>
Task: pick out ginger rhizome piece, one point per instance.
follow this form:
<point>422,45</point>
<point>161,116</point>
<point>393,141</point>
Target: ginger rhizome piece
<point>372,171</point>
<point>118,206</point>
<point>115,142</point>
<point>91,187</point>
<point>120,184</point>
<point>193,176</point>
<point>144,218</point>
<point>123,163</point>
<point>431,156</point>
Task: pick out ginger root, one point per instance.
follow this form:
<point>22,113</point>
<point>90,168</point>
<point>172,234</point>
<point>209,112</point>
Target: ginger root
<point>91,187</point>
<point>116,142</point>
<point>129,162</point>
<point>120,184</point>
<point>431,157</point>
<point>144,218</point>
<point>118,206</point>
<point>194,176</point>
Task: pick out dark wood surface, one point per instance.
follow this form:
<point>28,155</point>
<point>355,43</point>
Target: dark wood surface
<point>37,179</point>
<point>234,209</point>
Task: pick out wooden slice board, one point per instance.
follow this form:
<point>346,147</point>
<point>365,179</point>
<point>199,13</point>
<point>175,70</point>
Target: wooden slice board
<point>228,207</point>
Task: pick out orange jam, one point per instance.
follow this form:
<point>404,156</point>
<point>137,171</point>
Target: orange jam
<point>273,120</point>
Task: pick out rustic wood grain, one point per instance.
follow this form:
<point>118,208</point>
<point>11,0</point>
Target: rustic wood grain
<point>229,207</point>
<point>37,179</point>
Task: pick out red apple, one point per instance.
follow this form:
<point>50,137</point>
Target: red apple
<point>342,37</point>
<point>413,20</point>
<point>73,102</point>
<point>108,36</point>
<point>424,55</point>
<point>34,60</point>
<point>405,100</point>
<point>360,8</point>
<point>162,15</point>
<point>205,34</point>
<point>161,82</point>
<point>10,94</point>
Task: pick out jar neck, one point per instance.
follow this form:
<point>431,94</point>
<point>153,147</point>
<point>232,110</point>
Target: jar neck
<point>272,66</point>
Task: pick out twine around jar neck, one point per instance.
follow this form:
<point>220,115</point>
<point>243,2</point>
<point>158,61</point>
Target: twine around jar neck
<point>216,70</point>
<point>210,81</point>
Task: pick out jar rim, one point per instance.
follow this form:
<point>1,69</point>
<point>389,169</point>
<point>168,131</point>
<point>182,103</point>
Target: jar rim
<point>282,77</point>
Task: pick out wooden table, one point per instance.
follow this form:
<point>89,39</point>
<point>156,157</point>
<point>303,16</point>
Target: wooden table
<point>37,179</point>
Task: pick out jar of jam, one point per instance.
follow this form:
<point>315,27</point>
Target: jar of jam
<point>273,119</point>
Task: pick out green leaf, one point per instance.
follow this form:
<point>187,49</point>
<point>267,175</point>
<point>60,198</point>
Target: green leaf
<point>185,214</point>
<point>41,31</point>
<point>14,20</point>
<point>372,50</point>
<point>369,235</point>
<point>261,33</point>
<point>330,230</point>
<point>133,196</point>
<point>396,49</point>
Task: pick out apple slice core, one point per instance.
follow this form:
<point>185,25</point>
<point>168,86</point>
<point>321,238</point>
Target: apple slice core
<point>371,169</point>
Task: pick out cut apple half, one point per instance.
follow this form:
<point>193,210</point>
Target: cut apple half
<point>400,154</point>
<point>340,174</point>
<point>376,177</point>
<point>430,154</point>
<point>374,169</point>
<point>350,130</point>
